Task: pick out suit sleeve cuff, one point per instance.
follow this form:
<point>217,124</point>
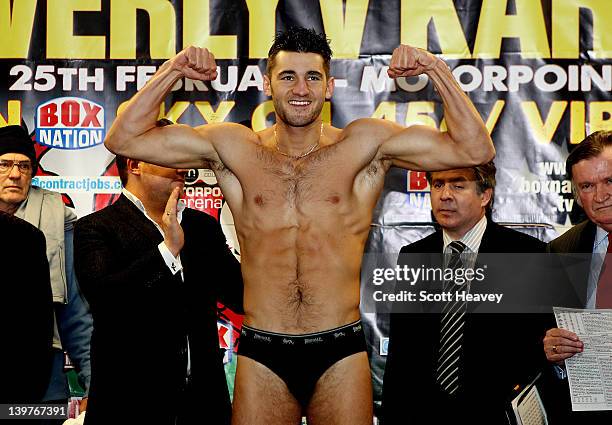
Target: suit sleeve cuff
<point>560,372</point>
<point>173,263</point>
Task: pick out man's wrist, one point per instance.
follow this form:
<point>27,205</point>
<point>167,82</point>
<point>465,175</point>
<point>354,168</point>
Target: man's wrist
<point>175,251</point>
<point>169,70</point>
<point>172,261</point>
<point>560,371</point>
<point>439,67</point>
<point>175,73</point>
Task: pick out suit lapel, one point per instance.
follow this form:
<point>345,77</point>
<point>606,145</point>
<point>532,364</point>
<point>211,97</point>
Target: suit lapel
<point>436,244</point>
<point>487,244</point>
<point>587,237</point>
<point>133,217</point>
<point>585,241</point>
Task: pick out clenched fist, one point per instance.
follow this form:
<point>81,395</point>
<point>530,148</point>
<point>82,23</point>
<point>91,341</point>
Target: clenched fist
<point>196,63</point>
<point>408,61</point>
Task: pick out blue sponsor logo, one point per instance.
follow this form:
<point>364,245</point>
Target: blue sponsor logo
<point>70,123</point>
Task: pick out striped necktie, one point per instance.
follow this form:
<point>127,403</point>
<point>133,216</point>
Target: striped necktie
<point>451,329</point>
<point>604,285</point>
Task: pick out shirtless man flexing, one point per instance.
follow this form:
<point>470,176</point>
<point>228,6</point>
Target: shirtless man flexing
<point>302,195</point>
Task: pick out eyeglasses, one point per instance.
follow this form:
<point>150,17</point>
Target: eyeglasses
<point>6,165</point>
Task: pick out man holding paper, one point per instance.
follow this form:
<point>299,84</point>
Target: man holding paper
<point>589,166</point>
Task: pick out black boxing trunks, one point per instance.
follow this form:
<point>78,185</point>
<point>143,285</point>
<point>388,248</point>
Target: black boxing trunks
<point>300,360</point>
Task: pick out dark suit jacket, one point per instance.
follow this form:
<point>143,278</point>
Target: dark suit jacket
<point>26,313</point>
<point>500,351</point>
<point>577,240</point>
<point>143,316</point>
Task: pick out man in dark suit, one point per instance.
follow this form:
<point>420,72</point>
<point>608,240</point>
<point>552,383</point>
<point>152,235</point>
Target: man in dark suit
<point>446,365</point>
<point>589,276</point>
<point>153,273</point>
<point>26,315</point>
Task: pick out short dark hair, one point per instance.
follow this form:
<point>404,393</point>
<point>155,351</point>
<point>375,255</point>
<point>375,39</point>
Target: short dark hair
<point>121,161</point>
<point>300,40</point>
<point>593,145</point>
<point>484,175</point>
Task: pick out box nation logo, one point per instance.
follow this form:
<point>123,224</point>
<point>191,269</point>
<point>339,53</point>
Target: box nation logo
<point>416,181</point>
<point>70,123</point>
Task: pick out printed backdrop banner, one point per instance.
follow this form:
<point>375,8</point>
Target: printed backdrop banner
<point>539,73</point>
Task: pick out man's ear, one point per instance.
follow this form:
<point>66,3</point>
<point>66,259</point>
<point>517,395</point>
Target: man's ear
<point>329,91</point>
<point>267,85</point>
<point>133,167</point>
<point>486,197</point>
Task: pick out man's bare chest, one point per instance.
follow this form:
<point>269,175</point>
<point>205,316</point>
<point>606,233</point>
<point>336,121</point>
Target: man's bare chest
<point>317,181</point>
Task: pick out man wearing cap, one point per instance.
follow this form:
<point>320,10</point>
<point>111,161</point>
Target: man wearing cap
<point>46,211</point>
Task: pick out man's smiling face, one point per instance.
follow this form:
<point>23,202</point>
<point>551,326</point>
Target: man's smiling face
<point>299,86</point>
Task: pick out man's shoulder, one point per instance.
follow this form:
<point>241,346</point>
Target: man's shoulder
<point>49,197</point>
<point>109,213</point>
<point>511,240</point>
<point>429,243</point>
<point>230,131</point>
<point>11,225</point>
<point>578,238</point>
<point>46,192</point>
<point>369,128</point>
<point>365,123</point>
<point>54,204</point>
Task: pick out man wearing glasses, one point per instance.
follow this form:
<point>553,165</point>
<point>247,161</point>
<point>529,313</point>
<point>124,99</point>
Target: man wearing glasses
<point>46,211</point>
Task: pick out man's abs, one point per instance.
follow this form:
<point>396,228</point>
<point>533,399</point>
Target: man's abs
<point>296,282</point>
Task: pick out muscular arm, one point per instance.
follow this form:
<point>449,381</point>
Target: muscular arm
<point>466,143</point>
<point>134,134</point>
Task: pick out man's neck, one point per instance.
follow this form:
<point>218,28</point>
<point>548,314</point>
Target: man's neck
<point>472,237</point>
<point>295,140</point>
<point>460,233</point>
<point>456,236</point>
<point>9,208</point>
<point>153,210</point>
<point>154,213</point>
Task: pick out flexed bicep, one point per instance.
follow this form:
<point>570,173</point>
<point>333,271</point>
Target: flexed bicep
<point>134,132</point>
<point>175,146</point>
<point>424,148</point>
